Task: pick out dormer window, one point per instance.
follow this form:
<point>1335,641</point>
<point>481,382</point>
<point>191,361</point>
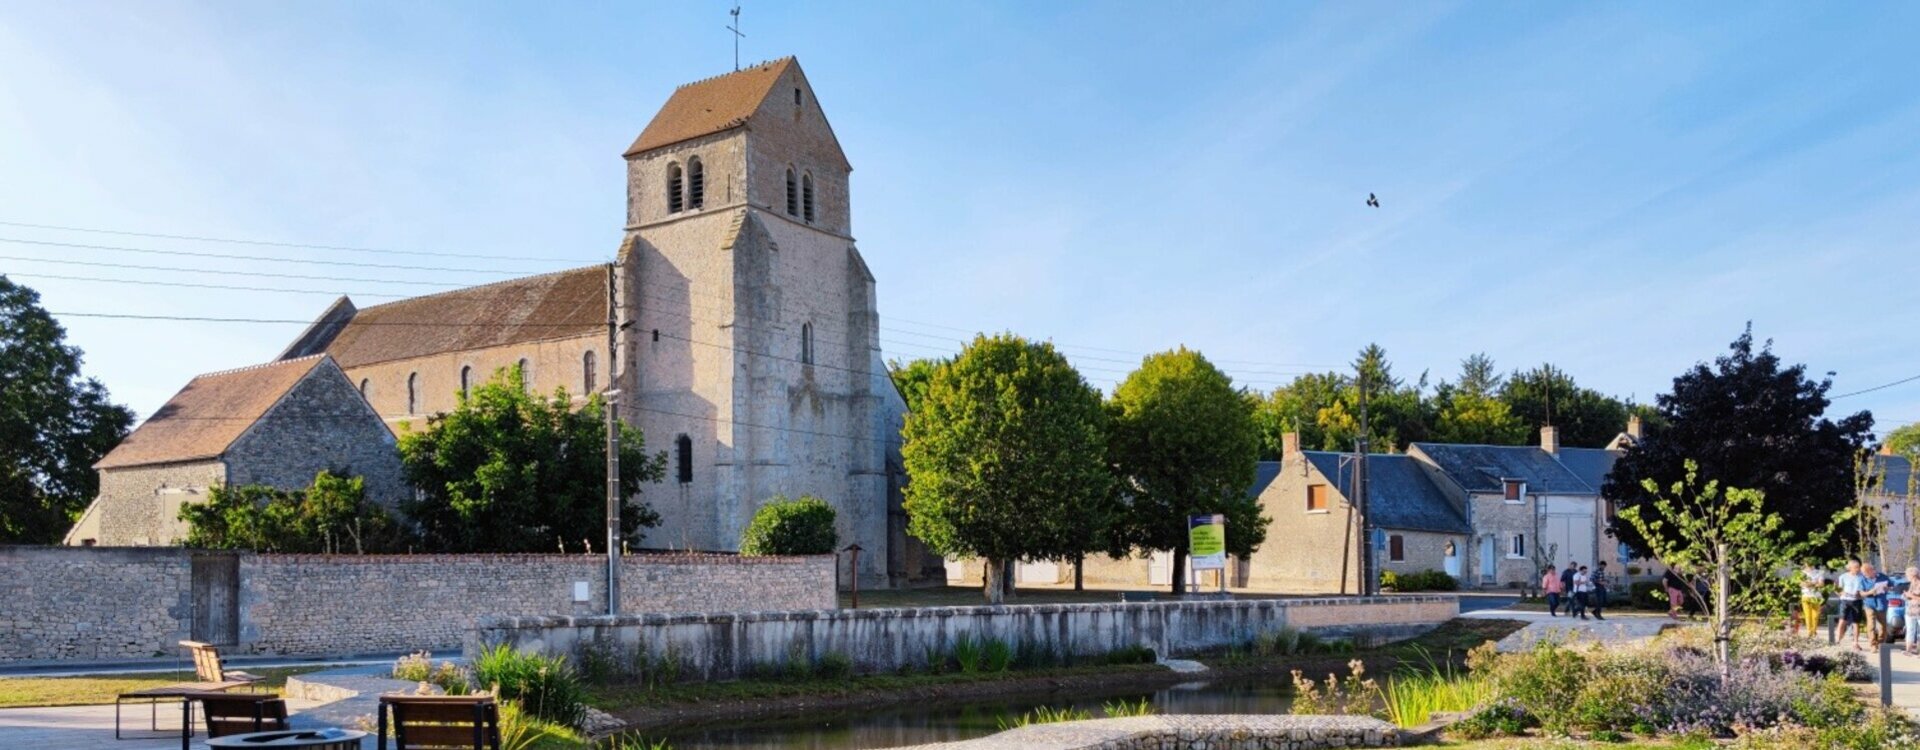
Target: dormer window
<point>793,194</point>
<point>806,197</point>
<point>674,185</point>
<point>696,184</point>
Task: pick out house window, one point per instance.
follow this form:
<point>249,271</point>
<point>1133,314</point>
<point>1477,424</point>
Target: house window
<point>526,375</point>
<point>1396,548</point>
<point>673,189</point>
<point>1516,491</point>
<point>413,392</point>
<point>1316,497</point>
<point>683,458</point>
<point>696,183</point>
<point>466,381</point>
<point>586,372</point>
<point>806,197</point>
<point>1517,546</point>
<point>806,343</point>
<point>793,194</point>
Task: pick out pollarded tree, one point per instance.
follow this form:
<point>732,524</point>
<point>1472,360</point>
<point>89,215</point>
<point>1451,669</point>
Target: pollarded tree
<point>507,471</point>
<point>54,423</point>
<point>1750,422</point>
<point>1006,457</point>
<point>1183,443</point>
<point>800,526</point>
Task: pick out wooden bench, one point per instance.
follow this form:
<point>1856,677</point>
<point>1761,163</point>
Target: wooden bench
<point>440,722</point>
<point>229,714</point>
<point>210,678</point>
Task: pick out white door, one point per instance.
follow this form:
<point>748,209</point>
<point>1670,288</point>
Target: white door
<point>1486,560</point>
<point>1569,531</point>
<point>1451,563</point>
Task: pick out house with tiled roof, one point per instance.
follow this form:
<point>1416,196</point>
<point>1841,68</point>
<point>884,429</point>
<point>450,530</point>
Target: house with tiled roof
<point>276,424</point>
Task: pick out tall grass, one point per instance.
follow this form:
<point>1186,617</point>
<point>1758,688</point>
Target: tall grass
<point>1124,707</point>
<point>1045,715</point>
<point>1411,698</point>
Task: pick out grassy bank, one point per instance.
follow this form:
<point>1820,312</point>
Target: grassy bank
<point>23,692</point>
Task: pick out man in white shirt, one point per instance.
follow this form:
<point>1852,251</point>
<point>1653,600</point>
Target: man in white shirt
<point>1852,587</point>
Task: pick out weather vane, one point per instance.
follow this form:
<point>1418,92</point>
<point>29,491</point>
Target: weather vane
<point>737,36</point>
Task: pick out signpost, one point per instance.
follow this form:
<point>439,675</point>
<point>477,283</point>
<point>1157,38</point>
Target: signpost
<point>1207,545</point>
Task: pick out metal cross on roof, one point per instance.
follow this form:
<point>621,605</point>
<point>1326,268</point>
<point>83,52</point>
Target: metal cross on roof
<point>737,36</point>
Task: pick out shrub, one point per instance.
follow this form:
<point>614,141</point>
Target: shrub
<point>418,667</point>
<point>1502,718</point>
<point>1390,580</point>
<point>1425,580</point>
<point>520,730</point>
<point>1135,654</point>
<point>998,655</point>
<point>544,685</point>
<point>1412,698</point>
<point>835,666</point>
<point>803,526</point>
<point>1352,695</point>
<point>1647,595</point>
<point>967,653</point>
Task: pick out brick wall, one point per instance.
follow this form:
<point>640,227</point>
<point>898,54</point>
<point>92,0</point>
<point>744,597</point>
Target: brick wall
<point>108,603</point>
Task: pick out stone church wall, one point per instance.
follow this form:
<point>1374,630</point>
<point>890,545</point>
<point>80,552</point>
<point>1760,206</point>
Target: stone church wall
<point>555,363</point>
<point>320,425</point>
<point>140,505</point>
<point>67,603</point>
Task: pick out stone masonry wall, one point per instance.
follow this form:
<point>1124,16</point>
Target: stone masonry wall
<point>67,603</point>
<point>92,604</point>
<point>140,505</point>
<point>719,646</point>
<point>321,424</point>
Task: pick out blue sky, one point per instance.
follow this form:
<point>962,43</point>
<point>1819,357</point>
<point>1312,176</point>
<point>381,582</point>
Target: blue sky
<point>1615,188</point>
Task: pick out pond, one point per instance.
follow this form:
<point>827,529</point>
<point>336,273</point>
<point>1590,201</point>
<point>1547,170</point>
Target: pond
<point>897,725</point>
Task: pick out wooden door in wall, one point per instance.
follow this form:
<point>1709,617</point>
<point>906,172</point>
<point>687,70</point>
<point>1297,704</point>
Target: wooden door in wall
<point>216,599</point>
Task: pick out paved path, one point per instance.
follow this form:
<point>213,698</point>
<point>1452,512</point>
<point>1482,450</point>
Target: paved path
<point>1620,628</point>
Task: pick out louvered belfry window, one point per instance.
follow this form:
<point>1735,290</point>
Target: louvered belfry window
<point>696,184</point>
<point>793,194</point>
<point>674,186</point>
<point>806,197</point>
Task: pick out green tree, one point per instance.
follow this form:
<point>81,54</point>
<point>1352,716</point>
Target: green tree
<point>54,423</point>
<point>912,378</point>
<point>1397,412</point>
<point>1548,395</point>
<point>508,471</point>
<point>1006,457</point>
<point>1470,410</point>
<point>332,515</point>
<point>1905,441</point>
<point>1183,443</point>
<point>1296,407</point>
<point>801,526</point>
<point>1751,422</point>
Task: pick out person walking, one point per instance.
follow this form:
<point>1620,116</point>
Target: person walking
<point>1566,588</point>
<point>1874,598</point>
<point>1851,584</point>
<point>1598,599</point>
<point>1676,593</point>
<point>1582,591</point>
<point>1551,586</point>
<point>1912,622</point>
<point>1813,596</point>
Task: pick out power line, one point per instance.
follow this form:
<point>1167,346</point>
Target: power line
<point>1880,387</point>
<point>189,285</point>
<point>265,274</point>
<point>269,243</point>
<point>269,259</point>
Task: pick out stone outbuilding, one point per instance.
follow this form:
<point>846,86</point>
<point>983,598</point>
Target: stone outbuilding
<point>276,424</point>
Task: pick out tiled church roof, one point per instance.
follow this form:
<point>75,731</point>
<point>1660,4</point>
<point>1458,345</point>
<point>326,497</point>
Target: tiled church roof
<point>559,305</point>
<point>710,106</point>
<point>205,417</point>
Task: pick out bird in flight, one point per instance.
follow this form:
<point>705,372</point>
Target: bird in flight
<point>1372,201</point>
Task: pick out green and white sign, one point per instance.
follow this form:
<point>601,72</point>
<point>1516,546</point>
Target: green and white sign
<point>1207,541</point>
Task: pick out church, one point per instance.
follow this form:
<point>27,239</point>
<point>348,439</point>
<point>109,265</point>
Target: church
<point>738,325</point>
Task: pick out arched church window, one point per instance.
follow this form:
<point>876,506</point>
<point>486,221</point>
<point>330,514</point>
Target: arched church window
<point>683,458</point>
<point>413,392</point>
<point>806,196</point>
<point>526,375</point>
<point>466,381</point>
<point>673,189</point>
<point>806,343</point>
<point>586,372</point>
<point>793,194</point>
<point>696,183</point>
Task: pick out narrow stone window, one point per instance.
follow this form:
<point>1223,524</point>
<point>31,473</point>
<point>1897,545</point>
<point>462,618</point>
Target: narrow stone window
<point>1517,546</point>
<point>1396,548</point>
<point>796,97</point>
<point>683,458</point>
<point>696,183</point>
<point>466,381</point>
<point>674,181</point>
<point>793,194</point>
<point>363,387</point>
<point>806,197</point>
<point>586,372</point>
<point>526,375</point>
<point>806,343</point>
<point>413,392</point>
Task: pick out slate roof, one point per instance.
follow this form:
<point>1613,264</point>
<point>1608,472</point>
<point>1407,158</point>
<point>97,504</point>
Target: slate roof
<point>1898,470</point>
<point>1400,495</point>
<point>710,106</point>
<point>1263,474</point>
<point>560,305</point>
<point>211,412</point>
<point>1482,468</point>
<point>1589,464</point>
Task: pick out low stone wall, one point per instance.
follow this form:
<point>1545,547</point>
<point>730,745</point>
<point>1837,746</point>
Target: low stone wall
<point>1225,732</point>
<point>101,603</point>
<point>719,646</point>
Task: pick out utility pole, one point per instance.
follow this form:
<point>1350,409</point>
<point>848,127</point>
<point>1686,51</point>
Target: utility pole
<point>610,398</point>
<point>1369,581</point>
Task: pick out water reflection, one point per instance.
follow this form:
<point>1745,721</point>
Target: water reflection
<point>913,724</point>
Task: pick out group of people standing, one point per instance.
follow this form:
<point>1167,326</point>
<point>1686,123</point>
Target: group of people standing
<point>1583,592</point>
<point>1865,600</point>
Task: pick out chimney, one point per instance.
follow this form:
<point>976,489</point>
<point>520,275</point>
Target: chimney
<point>1634,429</point>
<point>1550,439</point>
<point>1289,445</point>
